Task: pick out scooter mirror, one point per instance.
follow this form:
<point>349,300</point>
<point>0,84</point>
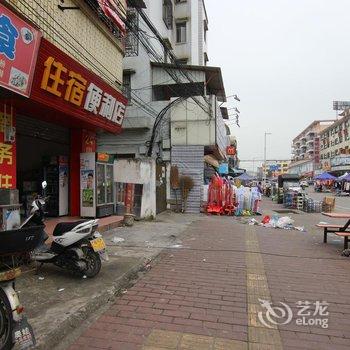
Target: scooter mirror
<point>44,185</point>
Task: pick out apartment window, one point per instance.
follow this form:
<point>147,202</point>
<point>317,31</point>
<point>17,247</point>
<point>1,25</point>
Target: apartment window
<point>181,32</point>
<point>127,86</point>
<point>168,13</point>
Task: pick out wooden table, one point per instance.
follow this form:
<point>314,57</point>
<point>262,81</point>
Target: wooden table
<point>338,215</point>
<point>339,230</point>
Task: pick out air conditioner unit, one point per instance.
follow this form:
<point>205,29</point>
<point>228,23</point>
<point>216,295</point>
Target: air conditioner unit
<point>9,134</point>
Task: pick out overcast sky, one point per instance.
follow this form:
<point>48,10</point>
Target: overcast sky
<point>287,60</point>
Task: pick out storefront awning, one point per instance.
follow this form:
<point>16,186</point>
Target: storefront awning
<point>211,160</point>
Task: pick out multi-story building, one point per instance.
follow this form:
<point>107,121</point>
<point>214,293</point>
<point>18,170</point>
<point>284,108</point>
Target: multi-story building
<point>335,145</point>
<point>275,168</point>
<point>65,58</point>
<point>174,110</point>
<point>191,26</point>
<point>306,149</point>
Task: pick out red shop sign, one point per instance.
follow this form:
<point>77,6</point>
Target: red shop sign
<point>63,84</point>
<point>19,43</point>
<point>230,150</point>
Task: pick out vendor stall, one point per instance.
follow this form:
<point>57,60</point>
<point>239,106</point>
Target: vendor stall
<point>324,182</point>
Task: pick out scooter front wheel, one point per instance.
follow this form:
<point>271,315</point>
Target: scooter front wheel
<point>92,261</point>
<point>6,322</point>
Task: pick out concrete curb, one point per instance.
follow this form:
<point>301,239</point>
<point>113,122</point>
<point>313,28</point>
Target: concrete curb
<point>73,321</point>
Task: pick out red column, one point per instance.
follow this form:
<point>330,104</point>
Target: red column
<point>75,150</point>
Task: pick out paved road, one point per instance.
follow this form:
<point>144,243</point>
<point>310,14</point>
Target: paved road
<point>341,203</point>
<point>207,293</point>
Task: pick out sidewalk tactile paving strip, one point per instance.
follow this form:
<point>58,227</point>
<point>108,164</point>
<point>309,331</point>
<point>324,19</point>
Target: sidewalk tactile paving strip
<point>259,336</point>
<point>167,340</point>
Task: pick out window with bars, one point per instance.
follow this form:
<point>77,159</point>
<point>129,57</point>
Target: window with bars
<point>168,13</point>
<point>181,32</point>
<point>95,7</point>
<point>131,41</point>
<point>127,86</point>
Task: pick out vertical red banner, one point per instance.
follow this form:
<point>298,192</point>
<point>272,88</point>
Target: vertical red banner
<point>7,147</point>
<point>129,198</point>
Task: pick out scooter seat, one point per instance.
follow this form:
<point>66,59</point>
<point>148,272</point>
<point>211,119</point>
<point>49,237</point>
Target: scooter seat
<point>64,227</point>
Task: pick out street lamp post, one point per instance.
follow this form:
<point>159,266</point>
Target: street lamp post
<point>264,170</point>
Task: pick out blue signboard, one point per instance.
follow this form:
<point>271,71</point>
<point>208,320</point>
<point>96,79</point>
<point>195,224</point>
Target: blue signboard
<point>223,168</point>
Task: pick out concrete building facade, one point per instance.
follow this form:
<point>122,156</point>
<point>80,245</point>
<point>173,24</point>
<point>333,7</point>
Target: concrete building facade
<point>335,145</point>
<point>80,33</point>
<point>306,149</point>
<point>174,98</point>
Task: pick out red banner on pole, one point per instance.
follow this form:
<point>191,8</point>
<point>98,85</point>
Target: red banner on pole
<point>19,43</point>
<point>7,148</point>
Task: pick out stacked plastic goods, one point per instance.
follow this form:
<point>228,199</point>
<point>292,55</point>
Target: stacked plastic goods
<point>288,200</point>
<point>300,201</point>
<point>214,205</point>
<point>312,206</point>
<point>221,198</point>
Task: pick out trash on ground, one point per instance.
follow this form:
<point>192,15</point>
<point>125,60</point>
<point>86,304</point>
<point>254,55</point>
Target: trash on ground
<point>117,240</point>
<point>176,246</point>
<point>252,222</point>
<point>60,289</point>
<point>84,277</point>
<point>40,278</point>
<point>274,221</point>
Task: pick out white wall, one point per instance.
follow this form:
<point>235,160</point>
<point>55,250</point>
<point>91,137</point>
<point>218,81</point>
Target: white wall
<point>191,125</point>
<point>139,172</point>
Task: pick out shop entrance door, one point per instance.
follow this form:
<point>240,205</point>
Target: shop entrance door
<point>160,188</point>
<point>43,154</point>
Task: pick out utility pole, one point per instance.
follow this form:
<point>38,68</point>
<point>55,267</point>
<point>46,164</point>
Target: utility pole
<point>264,169</point>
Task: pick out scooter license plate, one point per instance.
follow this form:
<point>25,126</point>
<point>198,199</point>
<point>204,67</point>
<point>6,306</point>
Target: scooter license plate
<point>98,244</point>
<point>23,335</point>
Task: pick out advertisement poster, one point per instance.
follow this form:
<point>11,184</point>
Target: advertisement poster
<point>18,52</point>
<point>87,186</point>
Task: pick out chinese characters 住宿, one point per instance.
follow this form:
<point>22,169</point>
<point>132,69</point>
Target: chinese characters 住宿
<point>72,87</point>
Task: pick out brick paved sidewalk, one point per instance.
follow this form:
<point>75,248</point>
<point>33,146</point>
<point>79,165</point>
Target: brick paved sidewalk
<point>206,294</point>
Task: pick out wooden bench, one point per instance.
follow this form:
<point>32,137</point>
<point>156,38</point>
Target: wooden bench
<point>339,230</point>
